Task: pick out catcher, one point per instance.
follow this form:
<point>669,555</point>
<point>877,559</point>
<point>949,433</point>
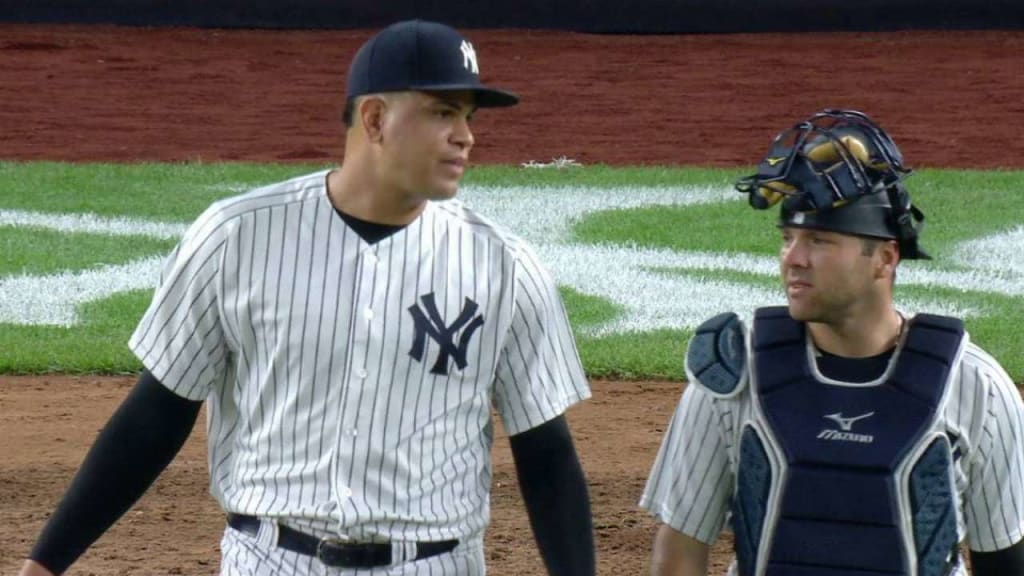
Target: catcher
<point>839,436</point>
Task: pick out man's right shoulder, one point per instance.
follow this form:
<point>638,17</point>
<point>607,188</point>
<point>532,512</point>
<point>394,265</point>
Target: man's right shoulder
<point>716,357</point>
<point>269,196</point>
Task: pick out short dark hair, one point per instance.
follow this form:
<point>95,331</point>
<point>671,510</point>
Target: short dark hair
<point>868,246</point>
<point>349,112</point>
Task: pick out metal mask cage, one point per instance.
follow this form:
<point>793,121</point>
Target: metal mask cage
<point>831,158</point>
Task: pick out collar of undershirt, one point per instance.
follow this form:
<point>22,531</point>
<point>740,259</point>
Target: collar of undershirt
<point>370,232</point>
<point>853,369</point>
<point>857,369</point>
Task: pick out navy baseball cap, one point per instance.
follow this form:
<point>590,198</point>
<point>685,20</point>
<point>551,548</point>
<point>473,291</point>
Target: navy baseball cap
<point>423,56</point>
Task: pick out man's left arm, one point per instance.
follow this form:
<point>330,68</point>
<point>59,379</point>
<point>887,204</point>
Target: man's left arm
<point>539,376</point>
<point>554,489</point>
<point>999,563</point>
<point>994,501</point>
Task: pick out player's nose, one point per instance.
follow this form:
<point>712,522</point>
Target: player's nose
<point>794,254</point>
<point>462,135</point>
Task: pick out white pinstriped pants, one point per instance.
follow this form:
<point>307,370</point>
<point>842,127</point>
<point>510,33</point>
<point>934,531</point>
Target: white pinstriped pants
<point>245,555</point>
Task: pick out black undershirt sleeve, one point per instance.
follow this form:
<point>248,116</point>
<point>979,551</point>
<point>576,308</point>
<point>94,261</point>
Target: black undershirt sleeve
<point>139,441</point>
<point>555,492</point>
<point>999,563</point>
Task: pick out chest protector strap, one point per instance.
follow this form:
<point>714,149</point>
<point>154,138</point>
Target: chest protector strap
<point>846,480</point>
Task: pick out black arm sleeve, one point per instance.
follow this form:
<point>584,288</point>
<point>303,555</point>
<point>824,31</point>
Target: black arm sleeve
<point>555,492</point>
<point>139,441</point>
<point>999,563</point>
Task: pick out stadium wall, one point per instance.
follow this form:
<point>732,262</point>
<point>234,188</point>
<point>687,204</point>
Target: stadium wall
<point>599,16</point>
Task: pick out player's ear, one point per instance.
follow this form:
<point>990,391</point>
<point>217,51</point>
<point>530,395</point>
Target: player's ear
<point>370,116</point>
<point>888,258</point>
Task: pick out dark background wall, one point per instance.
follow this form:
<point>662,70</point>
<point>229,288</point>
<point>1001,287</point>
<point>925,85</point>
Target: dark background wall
<point>610,16</point>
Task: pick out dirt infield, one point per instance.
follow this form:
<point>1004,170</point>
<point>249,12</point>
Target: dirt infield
<point>98,93</point>
<point>48,424</point>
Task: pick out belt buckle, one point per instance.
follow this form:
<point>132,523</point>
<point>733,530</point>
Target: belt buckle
<point>337,543</point>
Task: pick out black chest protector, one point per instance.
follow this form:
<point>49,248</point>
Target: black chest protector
<point>844,479</point>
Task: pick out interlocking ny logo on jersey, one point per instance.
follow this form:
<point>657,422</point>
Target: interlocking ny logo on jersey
<point>845,432</point>
<point>429,323</point>
<point>469,57</point>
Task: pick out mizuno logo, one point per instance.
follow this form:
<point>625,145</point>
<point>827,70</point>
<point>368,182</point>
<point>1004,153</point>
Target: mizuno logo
<point>773,161</point>
<point>846,423</point>
<point>844,434</point>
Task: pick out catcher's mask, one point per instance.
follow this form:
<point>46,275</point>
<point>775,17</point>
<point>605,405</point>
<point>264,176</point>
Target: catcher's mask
<point>838,171</point>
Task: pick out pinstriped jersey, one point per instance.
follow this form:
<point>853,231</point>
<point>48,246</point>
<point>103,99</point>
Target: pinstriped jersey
<point>692,481</point>
<point>349,385</point>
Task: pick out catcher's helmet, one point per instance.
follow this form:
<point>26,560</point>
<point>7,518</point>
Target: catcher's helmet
<point>838,171</point>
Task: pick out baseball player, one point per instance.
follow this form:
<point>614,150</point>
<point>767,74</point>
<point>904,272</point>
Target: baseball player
<point>350,331</point>
<point>839,436</point>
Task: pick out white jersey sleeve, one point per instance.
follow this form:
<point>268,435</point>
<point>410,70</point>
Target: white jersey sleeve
<point>691,482</point>
<point>539,374</point>
<point>180,338</point>
<point>994,500</point>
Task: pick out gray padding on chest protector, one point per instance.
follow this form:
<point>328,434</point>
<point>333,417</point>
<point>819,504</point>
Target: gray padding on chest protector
<point>932,506</point>
<point>750,504</point>
<point>717,356</point>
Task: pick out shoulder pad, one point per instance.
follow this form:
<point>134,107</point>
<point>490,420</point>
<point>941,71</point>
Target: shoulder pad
<point>716,358</point>
<point>936,322</point>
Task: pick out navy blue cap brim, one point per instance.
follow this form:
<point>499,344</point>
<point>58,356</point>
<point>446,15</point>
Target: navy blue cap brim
<point>483,97</point>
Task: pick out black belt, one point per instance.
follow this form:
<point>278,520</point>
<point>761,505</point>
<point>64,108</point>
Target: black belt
<point>334,551</point>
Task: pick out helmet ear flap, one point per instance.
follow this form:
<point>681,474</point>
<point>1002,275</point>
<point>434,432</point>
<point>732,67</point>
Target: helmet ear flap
<point>907,221</point>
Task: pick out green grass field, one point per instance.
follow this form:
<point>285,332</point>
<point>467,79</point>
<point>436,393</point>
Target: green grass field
<point>641,254</point>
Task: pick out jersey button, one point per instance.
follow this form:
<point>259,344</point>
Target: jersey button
<point>371,258</point>
<point>361,373</point>
<point>368,314</point>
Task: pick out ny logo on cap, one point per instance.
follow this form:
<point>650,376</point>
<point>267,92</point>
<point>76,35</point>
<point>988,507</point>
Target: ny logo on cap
<point>469,57</point>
